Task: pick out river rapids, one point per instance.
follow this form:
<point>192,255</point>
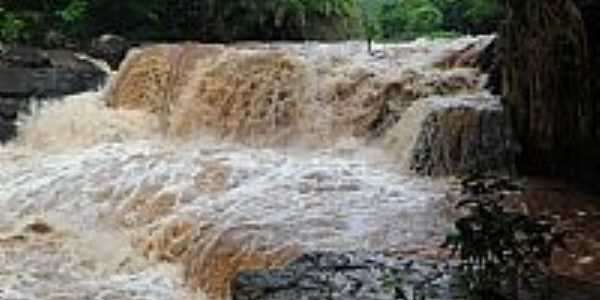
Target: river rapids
<point>200,161</point>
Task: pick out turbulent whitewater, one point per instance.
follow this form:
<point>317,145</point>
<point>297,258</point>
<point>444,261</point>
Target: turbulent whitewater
<point>201,161</point>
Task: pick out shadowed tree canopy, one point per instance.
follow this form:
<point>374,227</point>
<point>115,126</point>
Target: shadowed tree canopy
<point>52,22</point>
<point>205,20</point>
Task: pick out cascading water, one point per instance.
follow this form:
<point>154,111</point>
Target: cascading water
<point>210,160</point>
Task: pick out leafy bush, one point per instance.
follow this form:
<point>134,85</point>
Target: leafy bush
<point>501,251</point>
<point>424,19</point>
<point>12,28</point>
<point>73,16</point>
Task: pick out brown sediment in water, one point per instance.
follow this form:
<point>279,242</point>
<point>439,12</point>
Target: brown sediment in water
<point>153,77</point>
<point>212,257</point>
<point>272,96</point>
<point>212,266</point>
<point>367,104</point>
<point>142,81</point>
<point>81,121</point>
<point>248,96</point>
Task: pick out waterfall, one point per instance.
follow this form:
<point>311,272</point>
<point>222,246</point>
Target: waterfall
<point>201,161</point>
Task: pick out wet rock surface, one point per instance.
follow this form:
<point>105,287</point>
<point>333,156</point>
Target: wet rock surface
<point>29,73</point>
<point>348,276</point>
<point>464,136</point>
<point>7,130</point>
<point>375,276</point>
<point>110,48</point>
<point>21,56</point>
<point>489,61</point>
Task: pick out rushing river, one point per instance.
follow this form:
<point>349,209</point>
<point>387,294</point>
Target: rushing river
<point>245,158</point>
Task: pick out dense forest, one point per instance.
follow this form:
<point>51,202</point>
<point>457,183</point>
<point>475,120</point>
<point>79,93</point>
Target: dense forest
<point>56,23</point>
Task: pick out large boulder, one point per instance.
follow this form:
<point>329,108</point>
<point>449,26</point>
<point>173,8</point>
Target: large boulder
<point>29,73</point>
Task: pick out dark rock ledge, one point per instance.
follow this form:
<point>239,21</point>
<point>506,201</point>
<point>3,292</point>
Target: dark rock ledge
<point>30,73</point>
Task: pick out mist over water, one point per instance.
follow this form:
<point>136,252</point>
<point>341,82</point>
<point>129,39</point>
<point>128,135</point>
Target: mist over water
<point>198,162</point>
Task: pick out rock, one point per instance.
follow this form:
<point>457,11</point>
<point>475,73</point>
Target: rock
<point>375,276</point>
<point>489,62</point>
<point>9,108</point>
<point>8,130</point>
<point>347,276</point>
<point>479,185</point>
<point>27,73</point>
<point>25,57</point>
<point>39,227</point>
<point>110,48</point>
<point>463,137</point>
<point>54,39</point>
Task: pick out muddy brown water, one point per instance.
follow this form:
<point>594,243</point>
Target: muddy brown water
<point>102,202</point>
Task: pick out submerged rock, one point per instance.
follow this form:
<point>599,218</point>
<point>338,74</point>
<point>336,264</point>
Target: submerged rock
<point>347,276</point>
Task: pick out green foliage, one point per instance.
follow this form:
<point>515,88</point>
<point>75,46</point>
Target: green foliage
<point>75,12</point>
<point>73,16</point>
<point>369,18</point>
<point>407,19</point>
<point>32,21</point>
<point>424,19</point>
<point>12,28</point>
<point>501,251</point>
<point>472,16</point>
<point>206,20</point>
